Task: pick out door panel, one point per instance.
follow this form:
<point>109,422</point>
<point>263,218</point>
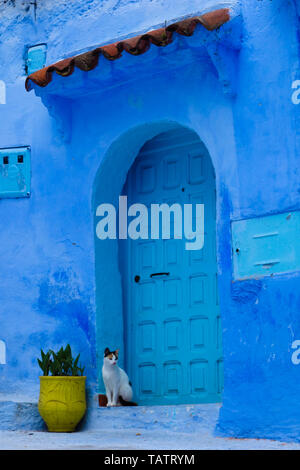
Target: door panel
<point>172,320</point>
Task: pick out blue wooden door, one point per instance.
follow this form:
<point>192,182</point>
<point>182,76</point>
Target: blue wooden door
<point>172,320</point>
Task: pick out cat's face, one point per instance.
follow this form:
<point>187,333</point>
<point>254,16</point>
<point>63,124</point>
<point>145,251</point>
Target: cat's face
<point>111,357</point>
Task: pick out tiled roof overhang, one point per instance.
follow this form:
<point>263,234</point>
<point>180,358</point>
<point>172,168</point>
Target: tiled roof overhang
<point>135,46</point>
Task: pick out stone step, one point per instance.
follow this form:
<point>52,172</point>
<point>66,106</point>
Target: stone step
<point>183,418</point>
<point>17,415</point>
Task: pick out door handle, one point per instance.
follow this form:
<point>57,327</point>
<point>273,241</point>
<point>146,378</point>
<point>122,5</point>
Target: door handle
<point>159,274</point>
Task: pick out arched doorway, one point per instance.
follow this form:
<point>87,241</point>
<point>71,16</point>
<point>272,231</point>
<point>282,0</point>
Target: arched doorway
<point>172,331</point>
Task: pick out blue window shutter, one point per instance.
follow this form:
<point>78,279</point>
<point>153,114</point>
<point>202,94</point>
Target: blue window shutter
<point>36,58</point>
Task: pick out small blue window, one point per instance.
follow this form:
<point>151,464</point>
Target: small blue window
<point>36,58</point>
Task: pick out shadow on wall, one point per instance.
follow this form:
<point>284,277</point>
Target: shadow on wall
<point>62,297</point>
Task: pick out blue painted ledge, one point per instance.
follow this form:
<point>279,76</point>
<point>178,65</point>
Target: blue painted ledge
<point>16,416</point>
<point>25,416</point>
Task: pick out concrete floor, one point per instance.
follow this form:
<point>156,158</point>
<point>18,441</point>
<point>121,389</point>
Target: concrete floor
<point>182,427</point>
<point>129,439</point>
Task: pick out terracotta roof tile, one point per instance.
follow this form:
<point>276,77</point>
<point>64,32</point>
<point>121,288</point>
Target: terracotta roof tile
<point>135,46</point>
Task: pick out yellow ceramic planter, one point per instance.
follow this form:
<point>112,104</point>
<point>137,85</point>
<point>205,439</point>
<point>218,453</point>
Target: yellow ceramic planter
<point>62,402</point>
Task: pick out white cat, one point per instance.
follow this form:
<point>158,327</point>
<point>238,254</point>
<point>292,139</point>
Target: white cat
<point>117,385</point>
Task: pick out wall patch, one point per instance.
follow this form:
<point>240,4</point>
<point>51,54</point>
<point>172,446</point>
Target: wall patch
<point>15,172</point>
<point>264,246</point>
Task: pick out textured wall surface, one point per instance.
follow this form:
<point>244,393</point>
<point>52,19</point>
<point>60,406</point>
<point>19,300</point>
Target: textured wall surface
<point>47,242</point>
<point>239,103</point>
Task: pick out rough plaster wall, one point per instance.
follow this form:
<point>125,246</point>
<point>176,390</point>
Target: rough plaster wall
<point>73,26</point>
<point>47,287</point>
<point>261,319</point>
<point>47,254</point>
<point>112,19</point>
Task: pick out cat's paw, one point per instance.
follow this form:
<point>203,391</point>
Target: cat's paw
<point>109,405</point>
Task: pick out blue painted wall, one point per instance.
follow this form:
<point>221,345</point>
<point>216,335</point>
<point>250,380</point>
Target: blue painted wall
<point>49,295</point>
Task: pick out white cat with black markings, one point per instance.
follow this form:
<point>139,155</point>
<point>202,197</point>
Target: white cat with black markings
<point>117,385</point>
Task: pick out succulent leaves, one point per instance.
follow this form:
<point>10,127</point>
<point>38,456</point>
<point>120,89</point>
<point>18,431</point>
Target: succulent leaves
<point>60,363</point>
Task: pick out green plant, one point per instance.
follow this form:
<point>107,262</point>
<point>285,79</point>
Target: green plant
<point>45,362</point>
<point>60,363</point>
